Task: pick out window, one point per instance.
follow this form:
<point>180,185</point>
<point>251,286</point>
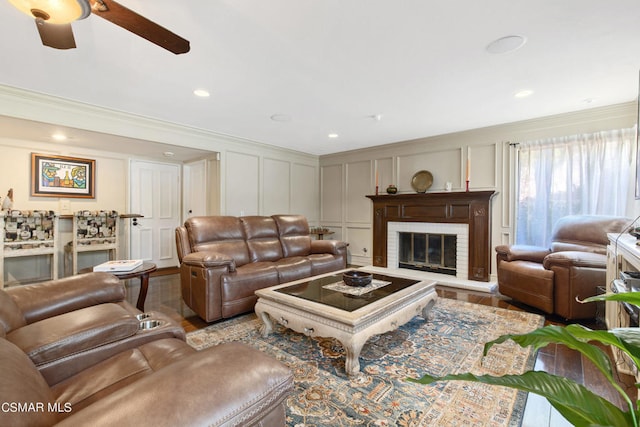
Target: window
<point>589,174</point>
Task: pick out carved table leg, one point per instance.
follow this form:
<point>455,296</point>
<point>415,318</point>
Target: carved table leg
<point>352,355</point>
<point>427,308</point>
<point>267,325</point>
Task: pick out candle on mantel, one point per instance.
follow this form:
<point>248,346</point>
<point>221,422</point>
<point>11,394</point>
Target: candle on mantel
<point>468,169</point>
<point>376,178</point>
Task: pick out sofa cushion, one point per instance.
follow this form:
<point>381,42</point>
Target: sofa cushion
<point>294,235</point>
<point>223,234</point>
<point>262,238</point>
<point>293,268</point>
<point>110,375</point>
<point>226,385</point>
<point>22,384</point>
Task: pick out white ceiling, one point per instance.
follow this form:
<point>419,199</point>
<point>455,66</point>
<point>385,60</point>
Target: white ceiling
<point>331,66</point>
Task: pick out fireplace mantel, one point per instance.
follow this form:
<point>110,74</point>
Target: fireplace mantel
<point>472,208</point>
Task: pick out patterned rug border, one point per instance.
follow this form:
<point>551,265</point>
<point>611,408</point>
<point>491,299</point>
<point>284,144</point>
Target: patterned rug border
<point>386,360</point>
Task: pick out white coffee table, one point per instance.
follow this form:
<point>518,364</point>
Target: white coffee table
<point>307,306</point>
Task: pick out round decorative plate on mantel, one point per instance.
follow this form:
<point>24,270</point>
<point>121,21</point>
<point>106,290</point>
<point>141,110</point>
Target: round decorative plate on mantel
<point>421,181</point>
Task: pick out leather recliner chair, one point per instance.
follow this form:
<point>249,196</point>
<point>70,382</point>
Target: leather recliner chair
<point>551,279</point>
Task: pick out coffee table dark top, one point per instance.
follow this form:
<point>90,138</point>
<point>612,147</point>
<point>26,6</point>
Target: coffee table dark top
<point>314,290</point>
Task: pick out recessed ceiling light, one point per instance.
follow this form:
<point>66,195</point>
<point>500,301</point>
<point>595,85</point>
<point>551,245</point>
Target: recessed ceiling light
<point>588,100</point>
<point>59,136</point>
<point>523,93</point>
<point>281,118</point>
<point>168,154</point>
<point>201,93</point>
<point>333,135</point>
<point>506,44</point>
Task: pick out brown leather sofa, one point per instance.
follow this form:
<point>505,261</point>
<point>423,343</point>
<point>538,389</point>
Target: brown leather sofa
<point>551,279</point>
<point>225,259</point>
<point>74,352</point>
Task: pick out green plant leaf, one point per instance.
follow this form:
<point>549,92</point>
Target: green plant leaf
<point>541,337</point>
<point>626,339</point>
<point>629,297</point>
<point>573,401</point>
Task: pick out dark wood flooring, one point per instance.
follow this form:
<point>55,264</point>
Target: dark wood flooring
<point>164,296</point>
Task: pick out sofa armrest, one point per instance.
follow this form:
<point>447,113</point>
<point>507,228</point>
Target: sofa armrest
<point>335,247</point>
<point>522,253</point>
<point>209,259</point>
<point>568,259</point>
<point>55,297</point>
<point>246,385</point>
<point>182,242</point>
<point>72,333</point>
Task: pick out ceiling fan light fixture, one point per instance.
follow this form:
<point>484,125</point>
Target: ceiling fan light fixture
<point>54,11</point>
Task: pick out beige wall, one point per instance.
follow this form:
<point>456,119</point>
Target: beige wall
<point>347,177</point>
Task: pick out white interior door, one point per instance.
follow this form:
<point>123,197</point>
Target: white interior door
<point>155,194</point>
<point>195,189</point>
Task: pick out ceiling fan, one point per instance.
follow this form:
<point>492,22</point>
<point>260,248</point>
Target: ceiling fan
<point>54,18</point>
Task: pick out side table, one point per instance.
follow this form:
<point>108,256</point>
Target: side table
<point>142,272</point>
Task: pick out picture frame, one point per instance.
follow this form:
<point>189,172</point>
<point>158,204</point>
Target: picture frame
<point>62,176</point>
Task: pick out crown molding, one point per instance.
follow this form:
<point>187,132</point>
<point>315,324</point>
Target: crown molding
<point>29,105</point>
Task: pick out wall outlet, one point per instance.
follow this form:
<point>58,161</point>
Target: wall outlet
<point>64,206</point>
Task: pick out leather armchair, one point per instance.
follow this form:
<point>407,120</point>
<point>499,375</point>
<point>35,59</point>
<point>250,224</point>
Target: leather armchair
<point>550,279</point>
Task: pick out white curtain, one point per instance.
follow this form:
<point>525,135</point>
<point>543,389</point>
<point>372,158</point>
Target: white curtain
<point>575,175</point>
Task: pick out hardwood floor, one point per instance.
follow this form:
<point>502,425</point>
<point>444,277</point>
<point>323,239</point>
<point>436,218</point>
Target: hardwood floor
<point>164,296</point>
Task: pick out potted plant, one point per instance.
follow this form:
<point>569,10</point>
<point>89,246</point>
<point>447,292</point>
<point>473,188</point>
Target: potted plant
<point>573,401</point>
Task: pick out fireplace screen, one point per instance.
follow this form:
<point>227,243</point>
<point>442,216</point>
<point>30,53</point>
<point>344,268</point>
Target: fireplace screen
<point>428,252</point>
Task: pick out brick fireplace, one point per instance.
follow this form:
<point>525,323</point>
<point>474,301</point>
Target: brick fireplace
<point>468,213</point>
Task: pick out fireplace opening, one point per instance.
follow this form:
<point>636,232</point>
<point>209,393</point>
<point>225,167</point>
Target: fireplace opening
<point>431,252</point>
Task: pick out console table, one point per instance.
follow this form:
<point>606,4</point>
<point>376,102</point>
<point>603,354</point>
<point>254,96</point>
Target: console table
<point>622,255</point>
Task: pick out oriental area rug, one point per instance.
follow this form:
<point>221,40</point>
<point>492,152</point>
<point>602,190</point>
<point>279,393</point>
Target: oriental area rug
<point>450,341</point>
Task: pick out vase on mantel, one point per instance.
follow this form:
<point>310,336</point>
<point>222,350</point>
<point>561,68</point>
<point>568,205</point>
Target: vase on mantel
<point>392,189</point>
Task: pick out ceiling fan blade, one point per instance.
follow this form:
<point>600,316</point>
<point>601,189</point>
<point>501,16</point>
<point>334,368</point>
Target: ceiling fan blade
<point>137,24</point>
<point>59,36</point>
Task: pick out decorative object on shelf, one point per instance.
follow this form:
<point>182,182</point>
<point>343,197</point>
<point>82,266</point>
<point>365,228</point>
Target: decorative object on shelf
<point>448,186</point>
<point>7,203</point>
<point>392,189</point>
<point>356,278</point>
<point>61,176</point>
<point>421,181</point>
<point>320,232</point>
